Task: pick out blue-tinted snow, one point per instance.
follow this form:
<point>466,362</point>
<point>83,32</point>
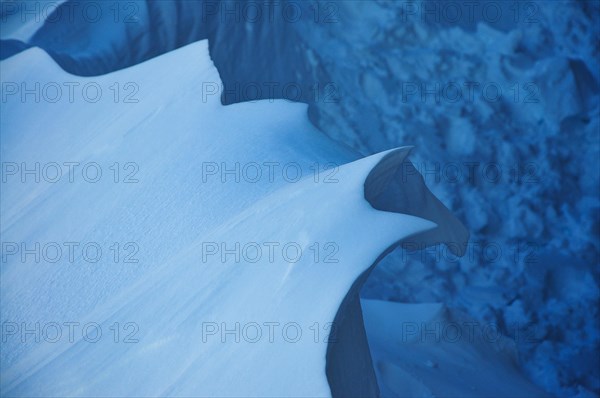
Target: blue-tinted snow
<point>375,53</point>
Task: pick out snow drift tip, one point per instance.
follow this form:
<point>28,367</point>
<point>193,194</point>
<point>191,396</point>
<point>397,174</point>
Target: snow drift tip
<point>395,185</point>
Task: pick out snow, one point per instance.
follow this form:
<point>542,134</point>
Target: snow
<point>428,350</point>
<point>172,295</point>
<point>546,226</point>
<point>20,20</point>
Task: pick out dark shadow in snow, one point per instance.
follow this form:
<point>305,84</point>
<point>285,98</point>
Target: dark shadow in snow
<point>263,57</point>
<point>255,47</point>
<point>393,185</point>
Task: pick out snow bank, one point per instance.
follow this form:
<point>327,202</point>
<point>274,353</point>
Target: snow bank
<point>191,315</point>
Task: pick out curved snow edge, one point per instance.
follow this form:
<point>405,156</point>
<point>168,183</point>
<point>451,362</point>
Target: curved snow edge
<point>349,366</point>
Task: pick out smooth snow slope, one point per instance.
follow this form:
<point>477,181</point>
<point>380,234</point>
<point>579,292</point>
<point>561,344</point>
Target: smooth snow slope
<point>172,294</point>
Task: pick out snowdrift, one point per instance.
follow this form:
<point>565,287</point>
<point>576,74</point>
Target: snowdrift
<point>186,269</point>
<point>550,66</point>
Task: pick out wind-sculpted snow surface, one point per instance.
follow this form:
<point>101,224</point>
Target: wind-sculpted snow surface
<point>500,97</point>
<point>89,38</point>
<point>183,313</point>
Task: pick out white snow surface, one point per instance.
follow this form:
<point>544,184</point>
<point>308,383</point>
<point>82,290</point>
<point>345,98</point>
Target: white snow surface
<point>172,296</point>
<point>190,323</point>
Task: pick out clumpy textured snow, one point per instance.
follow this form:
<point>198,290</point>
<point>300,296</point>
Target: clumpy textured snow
<point>427,350</point>
<point>543,134</point>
